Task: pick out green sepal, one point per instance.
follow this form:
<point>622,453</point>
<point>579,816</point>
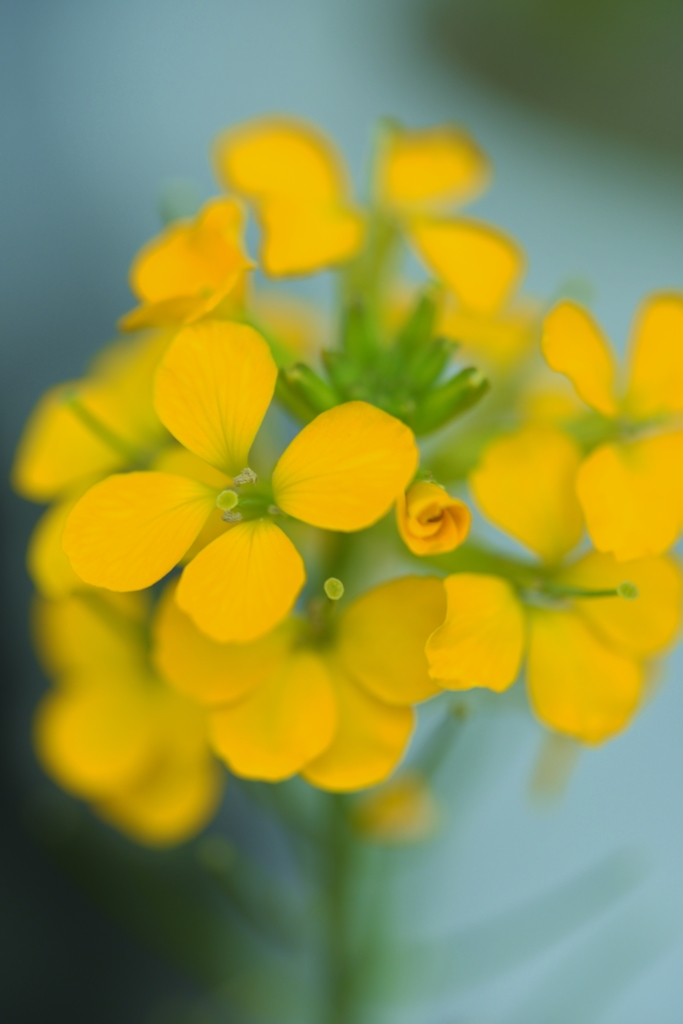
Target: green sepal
<point>429,363</point>
<point>291,400</point>
<point>418,329</point>
<point>359,338</point>
<point>449,400</point>
<point>342,371</point>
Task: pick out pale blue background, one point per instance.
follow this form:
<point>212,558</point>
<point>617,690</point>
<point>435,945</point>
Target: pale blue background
<point>103,102</point>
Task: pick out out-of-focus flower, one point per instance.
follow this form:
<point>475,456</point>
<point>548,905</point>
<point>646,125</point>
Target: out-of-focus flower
<point>111,731</point>
<point>330,697</point>
<point>342,472</point>
<point>587,648</point>
<point>298,186</point>
<point>402,811</point>
<point>193,269</point>
<point>430,521</point>
<point>631,485</point>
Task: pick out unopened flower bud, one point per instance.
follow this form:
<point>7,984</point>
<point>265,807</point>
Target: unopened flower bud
<point>430,521</point>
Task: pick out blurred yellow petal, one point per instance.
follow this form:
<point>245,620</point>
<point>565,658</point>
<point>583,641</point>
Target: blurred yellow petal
<point>574,345</point>
<point>244,583</point>
<point>500,338</point>
<point>577,684</point>
<point>402,811</point>
<point>57,450</point>
<point>211,672</point>
<point>481,643</point>
<point>180,462</point>
<point>632,496</point>
<point>172,804</point>
<point>295,329</point>
<point>129,530</point>
<point>431,167</point>
<point>90,629</point>
<point>656,378</point>
<point>280,725</point>
<point>482,266</point>
<point>641,627</point>
<point>94,739</point>
<point>278,156</point>
<point>300,238</point>
<point>193,257</point>
<point>526,485</point>
<point>213,389</point>
<point>346,468</point>
<point>381,638</point>
<point>369,742</point>
<point>48,566</point>
<point>430,521</point>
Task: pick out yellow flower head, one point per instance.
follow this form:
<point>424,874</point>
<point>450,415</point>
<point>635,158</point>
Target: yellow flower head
<point>430,521</point>
<point>342,472</point>
<point>191,269</point>
<point>630,486</point>
<point>112,732</point>
<point>329,698</point>
<point>586,655</point>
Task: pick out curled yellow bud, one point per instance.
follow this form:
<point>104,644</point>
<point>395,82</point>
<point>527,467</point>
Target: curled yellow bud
<point>430,521</point>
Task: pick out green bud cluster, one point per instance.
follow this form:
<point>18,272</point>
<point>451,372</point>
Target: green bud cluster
<point>405,375</point>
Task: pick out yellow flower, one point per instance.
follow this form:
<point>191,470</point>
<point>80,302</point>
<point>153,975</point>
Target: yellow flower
<point>112,732</point>
<point>403,811</point>
<point>342,472</point>
<point>190,269</point>
<point>330,697</point>
<point>299,188</point>
<point>630,486</point>
<point>84,429</point>
<point>297,184</point>
<point>586,656</point>
<point>430,521</point>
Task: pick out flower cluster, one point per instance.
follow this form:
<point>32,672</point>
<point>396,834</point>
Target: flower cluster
<point>251,553</point>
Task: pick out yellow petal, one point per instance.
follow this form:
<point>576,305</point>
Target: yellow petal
<point>369,742</point>
<point>301,238</point>
<point>94,739</point>
<point>526,485</point>
<point>81,633</point>
<point>48,566</point>
<point>402,811</point>
<point>210,672</point>
<point>502,338</point>
<point>431,167</point>
<point>213,389</point>
<point>632,496</point>
<point>57,450</point>
<point>430,521</point>
<point>656,384</point>
<point>244,583</point>
<point>192,257</point>
<point>170,806</point>
<point>282,724</point>
<point>381,638</point>
<point>481,643</point>
<point>346,468</point>
<point>577,684</point>
<point>483,267</point>
<point>129,530</point>
<point>269,157</point>
<point>641,627</point>
<point>574,345</point>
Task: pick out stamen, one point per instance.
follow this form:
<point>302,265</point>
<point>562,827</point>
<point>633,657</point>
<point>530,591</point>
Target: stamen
<point>273,510</point>
<point>247,476</point>
<point>627,591</point>
<point>232,517</point>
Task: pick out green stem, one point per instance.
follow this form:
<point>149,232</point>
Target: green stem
<point>338,980</point>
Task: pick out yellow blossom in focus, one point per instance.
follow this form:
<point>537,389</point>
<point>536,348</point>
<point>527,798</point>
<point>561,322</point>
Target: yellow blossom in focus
<point>111,731</point>
<point>430,521</point>
<point>630,485</point>
<point>330,698</point>
<point>586,656</point>
<point>194,268</point>
<point>342,472</point>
